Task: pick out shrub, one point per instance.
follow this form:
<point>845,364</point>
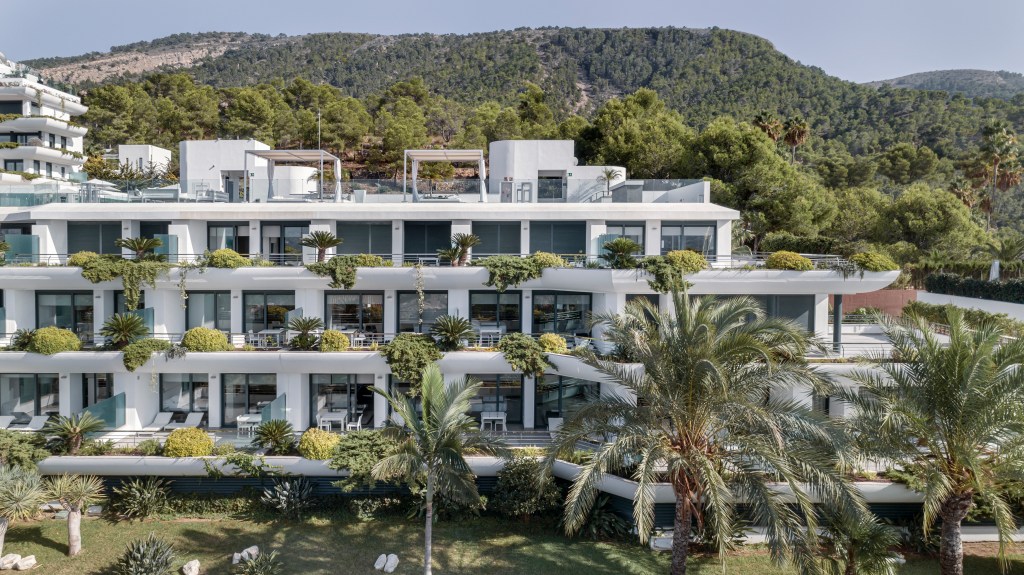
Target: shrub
<point>22,450</point>
<point>69,432</point>
<point>149,556</point>
<point>140,498</point>
<point>306,327</point>
<point>409,354</point>
<point>548,260</point>
<point>553,343</point>
<point>289,497</point>
<point>785,241</point>
<point>667,271</point>
<point>937,314</point>
<point>605,523</point>
<point>205,339</point>
<point>276,436</point>
<point>508,271</point>
<point>188,442</point>
<point>784,260</point>
<point>357,452</point>
<point>122,329</point>
<point>518,492</point>
<point>148,447</point>
<point>369,261</point>
<point>333,340</point>
<point>263,564</point>
<point>226,258</point>
<point>22,340</point>
<point>524,354</point>
<point>874,262</point>
<point>317,444</point>
<point>687,261</point>
<point>81,259</point>
<point>620,253</point>
<point>1011,291</point>
<point>450,331</point>
<point>51,340</point>
<point>135,355</point>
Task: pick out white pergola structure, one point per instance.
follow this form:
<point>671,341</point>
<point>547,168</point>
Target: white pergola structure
<point>294,157</point>
<point>418,156</point>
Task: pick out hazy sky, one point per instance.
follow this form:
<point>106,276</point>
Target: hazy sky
<point>857,40</point>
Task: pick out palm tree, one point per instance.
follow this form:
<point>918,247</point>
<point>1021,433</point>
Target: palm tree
<point>796,131</point>
<point>769,124</point>
<point>860,545</point>
<point>305,326</point>
<point>122,329</point>
<point>141,246</point>
<point>1010,248</point>
<point>963,189</point>
<point>321,241</point>
<point>75,493</point>
<point>701,421</point>
<point>999,144</point>
<point>458,254</point>
<point>432,444</point>
<point>21,494</point>
<point>620,253</point>
<point>609,175</point>
<point>72,431</point>
<point>450,331</point>
<point>950,410</point>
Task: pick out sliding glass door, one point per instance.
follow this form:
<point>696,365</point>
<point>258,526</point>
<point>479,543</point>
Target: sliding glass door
<point>245,393</point>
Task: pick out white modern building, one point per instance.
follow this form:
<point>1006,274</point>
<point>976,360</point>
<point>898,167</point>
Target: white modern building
<point>37,132</point>
<point>253,304</point>
<point>144,157</point>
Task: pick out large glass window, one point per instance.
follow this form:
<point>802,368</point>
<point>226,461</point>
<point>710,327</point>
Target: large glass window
<point>566,238</point>
<point>696,236</point>
<point>497,238</point>
<point>25,395</point>
<point>425,238</point>
<point>561,396</point>
<point>365,238</point>
<point>561,312</point>
<point>210,309</point>
<point>337,392</point>
<point>233,236</point>
<point>496,310</point>
<point>355,311</point>
<point>14,165</point>
<point>796,308</point>
<point>184,392</point>
<point>284,241</point>
<point>99,237</point>
<point>551,189</point>
<point>244,393</point>
<point>266,310</point>
<point>435,304</point>
<point>69,310</point>
<point>502,393</point>
<point>119,305</point>
<point>96,387</point>
<point>630,230</point>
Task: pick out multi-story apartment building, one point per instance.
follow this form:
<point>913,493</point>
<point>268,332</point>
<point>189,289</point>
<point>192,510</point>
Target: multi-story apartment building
<point>37,133</point>
<point>535,199</point>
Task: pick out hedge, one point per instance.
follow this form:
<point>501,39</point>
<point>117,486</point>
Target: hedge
<point>785,241</point>
<point>1011,291</point>
<point>936,313</point>
<point>188,442</point>
<point>874,262</point>
<point>205,339</point>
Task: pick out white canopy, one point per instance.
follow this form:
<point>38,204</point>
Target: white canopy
<point>418,156</point>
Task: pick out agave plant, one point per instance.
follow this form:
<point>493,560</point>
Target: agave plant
<point>21,494</point>
<point>290,497</point>
<point>321,241</point>
<point>122,329</point>
<point>140,498</point>
<point>262,564</point>
<point>141,246</point>
<point>149,556</point>
<point>276,436</point>
<point>305,340</point>
<point>72,431</point>
<point>449,331</point>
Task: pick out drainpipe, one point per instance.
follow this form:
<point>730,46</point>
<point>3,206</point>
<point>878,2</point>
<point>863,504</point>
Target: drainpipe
<point>837,322</point>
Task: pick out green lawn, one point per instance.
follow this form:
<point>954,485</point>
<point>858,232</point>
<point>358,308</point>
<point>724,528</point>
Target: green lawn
<point>482,546</point>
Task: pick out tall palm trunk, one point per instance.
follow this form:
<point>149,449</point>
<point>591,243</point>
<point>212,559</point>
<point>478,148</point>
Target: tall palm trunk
<point>74,531</point>
<point>681,530</point>
<point>992,200</point>
<point>951,549</point>
<point>851,561</point>
<point>428,545</point>
<point>3,533</point>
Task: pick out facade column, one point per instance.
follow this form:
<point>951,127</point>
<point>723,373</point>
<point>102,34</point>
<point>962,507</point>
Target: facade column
<point>380,403</point>
<point>397,242</point>
<point>529,400</point>
<point>837,323</point>
<point>215,413</point>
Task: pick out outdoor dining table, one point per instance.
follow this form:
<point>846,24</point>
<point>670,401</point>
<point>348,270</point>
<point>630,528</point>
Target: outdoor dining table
<point>494,418</point>
<point>248,422</point>
<point>270,334</point>
<point>328,418</point>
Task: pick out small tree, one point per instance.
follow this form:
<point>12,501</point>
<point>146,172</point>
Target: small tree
<point>305,340</point>
<point>21,494</point>
<point>458,253</point>
<point>450,331</point>
<point>122,329</point>
<point>72,431</point>
<point>141,246</point>
<point>75,494</point>
<point>321,241</point>
<point>609,175</point>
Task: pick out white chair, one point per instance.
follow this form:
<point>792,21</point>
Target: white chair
<point>37,424</point>
<point>356,425</point>
<point>194,419</point>
<point>6,421</point>
<point>161,420</point>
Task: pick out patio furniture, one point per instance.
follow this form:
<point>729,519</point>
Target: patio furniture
<point>6,421</point>
<point>493,418</point>
<point>327,419</point>
<point>161,420</point>
<point>554,424</point>
<point>248,422</point>
<point>37,424</point>
<point>270,338</point>
<point>193,419</point>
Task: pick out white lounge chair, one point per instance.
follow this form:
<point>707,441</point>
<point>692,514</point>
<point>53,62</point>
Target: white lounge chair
<point>37,424</point>
<point>194,419</point>
<point>159,422</point>
<point>6,421</point>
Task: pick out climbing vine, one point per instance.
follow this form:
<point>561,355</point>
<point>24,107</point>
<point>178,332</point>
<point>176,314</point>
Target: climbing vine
<point>421,297</point>
<point>342,269</point>
<point>133,273</point>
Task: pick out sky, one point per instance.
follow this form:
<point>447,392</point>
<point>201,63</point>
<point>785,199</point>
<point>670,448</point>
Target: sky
<point>859,40</point>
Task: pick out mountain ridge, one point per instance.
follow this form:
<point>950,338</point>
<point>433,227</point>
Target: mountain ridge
<point>968,82</point>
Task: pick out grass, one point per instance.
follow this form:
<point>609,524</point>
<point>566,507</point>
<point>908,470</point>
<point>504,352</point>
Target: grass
<point>322,546</point>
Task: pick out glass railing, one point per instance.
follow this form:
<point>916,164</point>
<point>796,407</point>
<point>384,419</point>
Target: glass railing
<point>277,409</point>
<point>110,410</point>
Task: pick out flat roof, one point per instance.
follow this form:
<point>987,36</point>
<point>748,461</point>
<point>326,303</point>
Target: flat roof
<point>293,155</point>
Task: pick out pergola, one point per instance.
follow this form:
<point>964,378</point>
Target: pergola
<point>418,156</point>
<point>294,157</point>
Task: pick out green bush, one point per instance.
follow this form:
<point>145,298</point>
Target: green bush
<point>785,241</point>
<point>687,261</point>
<point>333,340</point>
<point>205,339</point>
<point>22,340</point>
<point>135,355</point>
<point>22,450</point>
<point>667,271</point>
<point>1011,291</point>
<point>784,260</point>
<point>81,259</point>
<point>553,343</point>
<point>149,447</point>
<point>936,313</point>
<point>188,442</point>
<point>451,331</point>
<point>226,258</point>
<point>140,498</point>
<point>524,354</point>
<point>874,262</point>
<point>149,556</point>
<point>508,271</point>
<point>263,564</point>
<point>518,492</point>
<point>357,452</point>
<point>51,340</point>
<point>276,436</point>
<point>408,354</point>
<point>548,260</point>
<point>317,444</point>
<point>369,261</point>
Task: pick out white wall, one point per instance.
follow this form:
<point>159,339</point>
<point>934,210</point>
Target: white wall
<point>140,156</point>
<point>204,160</point>
<point>1014,310</point>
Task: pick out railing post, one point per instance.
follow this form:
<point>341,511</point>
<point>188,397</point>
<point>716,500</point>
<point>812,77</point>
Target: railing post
<point>837,322</point>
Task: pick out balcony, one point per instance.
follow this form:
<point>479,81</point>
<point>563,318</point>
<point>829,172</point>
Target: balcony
<point>32,124</point>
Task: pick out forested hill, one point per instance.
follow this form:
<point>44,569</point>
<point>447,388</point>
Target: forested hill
<point>970,83</point>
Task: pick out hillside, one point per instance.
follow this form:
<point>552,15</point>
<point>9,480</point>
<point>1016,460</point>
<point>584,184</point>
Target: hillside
<point>970,83</point>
